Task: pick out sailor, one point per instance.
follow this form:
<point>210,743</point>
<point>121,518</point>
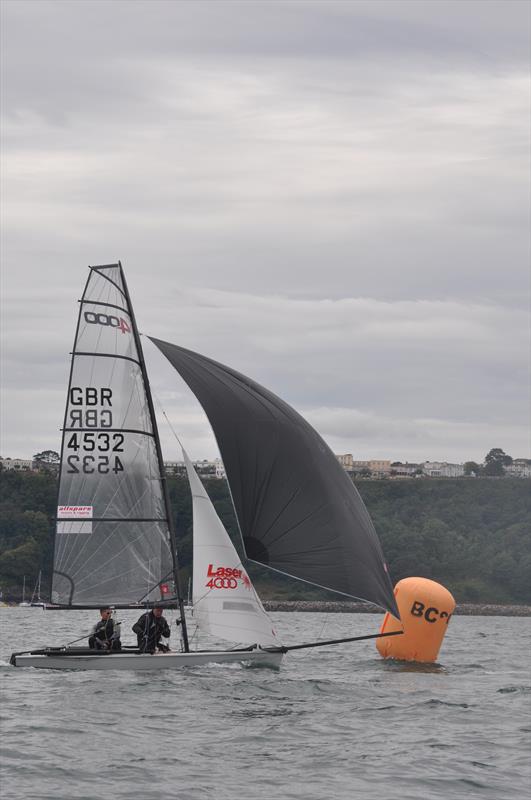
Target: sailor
<point>149,629</point>
<point>106,632</point>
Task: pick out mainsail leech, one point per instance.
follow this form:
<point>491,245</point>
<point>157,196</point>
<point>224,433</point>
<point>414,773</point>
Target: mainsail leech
<point>298,511</point>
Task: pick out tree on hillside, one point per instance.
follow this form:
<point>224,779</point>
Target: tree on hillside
<point>471,468</point>
<point>47,461</point>
<point>496,461</point>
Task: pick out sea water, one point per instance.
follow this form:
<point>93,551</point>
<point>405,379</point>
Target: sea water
<point>333,723</point>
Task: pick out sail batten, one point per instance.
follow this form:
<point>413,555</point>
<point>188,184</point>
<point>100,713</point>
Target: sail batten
<point>298,511</point>
<point>112,542</point>
<point>105,305</point>
<point>106,355</point>
<point>110,430</point>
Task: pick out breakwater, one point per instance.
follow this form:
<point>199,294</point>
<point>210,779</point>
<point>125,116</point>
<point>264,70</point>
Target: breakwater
<point>347,607</point>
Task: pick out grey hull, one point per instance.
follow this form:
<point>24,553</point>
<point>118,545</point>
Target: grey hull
<point>133,661</point>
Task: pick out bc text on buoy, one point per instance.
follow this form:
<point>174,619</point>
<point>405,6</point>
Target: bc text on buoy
<point>425,608</point>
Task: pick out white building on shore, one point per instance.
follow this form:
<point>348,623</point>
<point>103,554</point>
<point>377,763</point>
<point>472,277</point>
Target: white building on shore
<point>205,468</point>
<point>520,468</point>
<point>406,470</point>
<point>17,464</point>
<point>346,461</point>
<point>442,469</point>
<point>378,468</point>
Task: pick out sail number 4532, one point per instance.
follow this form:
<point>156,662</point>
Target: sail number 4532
<point>96,443</point>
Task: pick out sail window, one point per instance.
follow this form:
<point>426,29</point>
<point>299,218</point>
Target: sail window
<point>234,605</point>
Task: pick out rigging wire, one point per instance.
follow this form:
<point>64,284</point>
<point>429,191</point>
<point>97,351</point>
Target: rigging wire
<point>208,591</point>
<point>172,429</point>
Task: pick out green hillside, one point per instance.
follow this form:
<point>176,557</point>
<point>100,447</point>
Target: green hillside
<point>472,535</point>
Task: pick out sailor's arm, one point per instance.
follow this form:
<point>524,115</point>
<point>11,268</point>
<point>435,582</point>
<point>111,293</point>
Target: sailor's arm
<point>140,625</point>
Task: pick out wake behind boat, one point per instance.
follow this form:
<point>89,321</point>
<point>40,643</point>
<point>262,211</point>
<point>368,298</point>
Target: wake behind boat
<point>297,510</point>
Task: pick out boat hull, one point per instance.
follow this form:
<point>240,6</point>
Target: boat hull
<point>135,661</point>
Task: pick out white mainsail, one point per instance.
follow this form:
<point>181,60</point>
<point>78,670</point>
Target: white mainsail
<point>113,542</point>
<point>225,602</point>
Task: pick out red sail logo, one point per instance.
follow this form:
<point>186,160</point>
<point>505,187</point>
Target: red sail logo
<point>225,577</point>
<point>108,320</point>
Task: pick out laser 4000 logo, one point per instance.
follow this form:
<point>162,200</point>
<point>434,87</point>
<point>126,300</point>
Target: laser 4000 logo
<point>226,577</point>
<point>108,320</point>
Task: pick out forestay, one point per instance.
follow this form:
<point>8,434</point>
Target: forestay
<point>112,541</point>
<point>298,511</point>
<point>225,602</point>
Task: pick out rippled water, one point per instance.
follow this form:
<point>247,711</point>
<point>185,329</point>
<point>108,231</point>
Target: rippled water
<point>332,724</point>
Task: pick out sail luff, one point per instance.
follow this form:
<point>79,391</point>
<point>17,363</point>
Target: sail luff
<point>63,436</point>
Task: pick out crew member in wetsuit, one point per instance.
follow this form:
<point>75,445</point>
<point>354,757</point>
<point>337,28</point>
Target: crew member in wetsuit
<point>149,630</point>
<point>106,632</point>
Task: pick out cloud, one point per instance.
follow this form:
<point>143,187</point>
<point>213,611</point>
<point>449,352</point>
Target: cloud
<point>414,440</point>
<point>378,368</point>
<point>300,181</point>
<point>405,373</point>
<point>332,197</point>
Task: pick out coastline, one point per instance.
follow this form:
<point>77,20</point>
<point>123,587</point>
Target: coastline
<point>347,607</point>
<point>352,607</point>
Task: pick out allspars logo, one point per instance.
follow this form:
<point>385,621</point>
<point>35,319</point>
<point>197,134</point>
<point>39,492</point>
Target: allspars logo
<point>74,512</point>
<point>226,577</point>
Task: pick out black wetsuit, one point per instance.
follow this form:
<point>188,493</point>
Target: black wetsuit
<point>149,629</point>
<point>106,635</point>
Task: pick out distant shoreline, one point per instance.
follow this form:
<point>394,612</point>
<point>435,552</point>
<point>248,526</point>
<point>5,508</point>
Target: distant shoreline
<point>345,607</point>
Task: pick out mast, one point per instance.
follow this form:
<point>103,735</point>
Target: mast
<point>165,495</point>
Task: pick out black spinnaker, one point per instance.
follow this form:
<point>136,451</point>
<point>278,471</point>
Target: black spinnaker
<point>298,511</point>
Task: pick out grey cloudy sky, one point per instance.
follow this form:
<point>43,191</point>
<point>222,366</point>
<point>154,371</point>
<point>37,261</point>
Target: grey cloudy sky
<point>331,197</point>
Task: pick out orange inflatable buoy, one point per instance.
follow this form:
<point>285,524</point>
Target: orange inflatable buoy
<point>425,609</point>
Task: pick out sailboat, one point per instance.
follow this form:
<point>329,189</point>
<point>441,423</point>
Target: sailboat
<point>24,603</point>
<point>298,512</point>
<point>36,601</point>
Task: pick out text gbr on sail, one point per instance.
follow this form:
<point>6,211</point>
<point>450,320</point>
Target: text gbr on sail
<point>96,450</point>
<point>90,417</point>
